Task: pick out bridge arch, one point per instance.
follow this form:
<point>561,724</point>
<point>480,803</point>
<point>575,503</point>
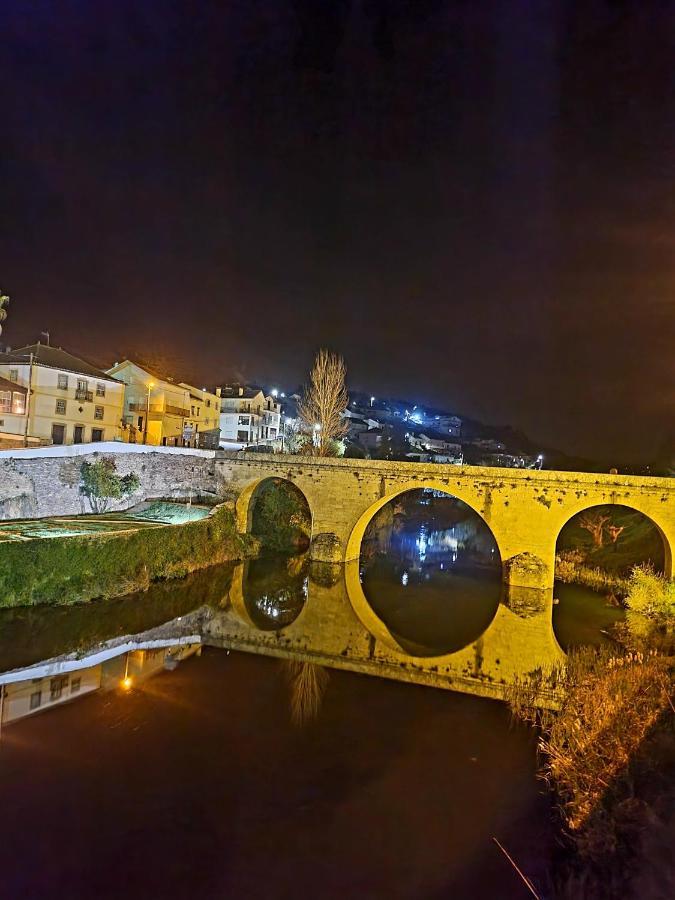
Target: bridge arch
<point>245,503</point>
<point>353,549</point>
<point>437,633</point>
<point>630,503</point>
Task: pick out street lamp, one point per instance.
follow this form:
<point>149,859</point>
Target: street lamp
<point>372,400</point>
<point>147,412</point>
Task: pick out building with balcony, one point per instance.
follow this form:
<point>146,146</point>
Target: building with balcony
<point>49,396</point>
<point>247,416</point>
<point>161,412</point>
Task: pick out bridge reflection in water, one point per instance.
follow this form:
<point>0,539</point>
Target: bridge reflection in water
<point>322,616</point>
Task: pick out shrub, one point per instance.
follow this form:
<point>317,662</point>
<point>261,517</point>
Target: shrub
<point>72,569</point>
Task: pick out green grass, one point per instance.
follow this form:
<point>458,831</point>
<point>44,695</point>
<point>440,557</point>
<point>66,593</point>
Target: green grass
<point>75,569</point>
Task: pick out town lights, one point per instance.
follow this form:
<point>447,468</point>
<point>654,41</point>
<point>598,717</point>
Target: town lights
<point>372,400</point>
<point>275,392</point>
<point>127,682</point>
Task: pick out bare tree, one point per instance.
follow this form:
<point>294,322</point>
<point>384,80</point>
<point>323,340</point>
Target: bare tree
<point>614,532</point>
<point>324,401</point>
<point>594,523</point>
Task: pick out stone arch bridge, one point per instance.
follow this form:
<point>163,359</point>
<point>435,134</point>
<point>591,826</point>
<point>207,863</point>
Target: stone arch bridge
<point>524,508</point>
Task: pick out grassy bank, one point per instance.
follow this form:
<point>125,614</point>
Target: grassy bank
<point>571,569</point>
<point>76,569</point>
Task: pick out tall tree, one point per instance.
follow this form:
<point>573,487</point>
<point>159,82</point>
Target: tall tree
<point>324,401</point>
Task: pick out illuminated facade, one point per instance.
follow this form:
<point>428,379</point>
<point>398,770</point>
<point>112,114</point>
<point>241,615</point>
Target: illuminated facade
<point>247,416</point>
<point>164,413</point>
<point>49,396</point>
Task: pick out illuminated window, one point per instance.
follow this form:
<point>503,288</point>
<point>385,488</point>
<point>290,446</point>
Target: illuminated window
<point>56,687</point>
<point>98,412</point>
<point>100,390</point>
<point>63,382</point>
<point>61,407</point>
<point>5,401</point>
<point>18,403</point>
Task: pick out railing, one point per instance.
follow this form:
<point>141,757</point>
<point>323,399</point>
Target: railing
<point>87,396</point>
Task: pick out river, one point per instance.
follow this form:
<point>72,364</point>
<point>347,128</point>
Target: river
<point>158,761</point>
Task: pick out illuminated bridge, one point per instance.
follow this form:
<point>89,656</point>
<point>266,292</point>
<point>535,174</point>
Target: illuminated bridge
<point>525,509</point>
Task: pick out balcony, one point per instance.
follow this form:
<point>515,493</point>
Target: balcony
<point>84,396</point>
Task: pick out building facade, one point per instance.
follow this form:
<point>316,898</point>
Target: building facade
<point>49,396</point>
<point>161,412</point>
<point>247,416</point>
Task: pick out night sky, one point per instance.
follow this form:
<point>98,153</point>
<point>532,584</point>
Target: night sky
<point>473,201</point>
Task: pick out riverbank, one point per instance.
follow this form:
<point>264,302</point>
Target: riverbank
<point>573,571</point>
<point>76,569</point>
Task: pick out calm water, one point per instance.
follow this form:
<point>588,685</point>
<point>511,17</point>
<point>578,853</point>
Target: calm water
<point>142,764</point>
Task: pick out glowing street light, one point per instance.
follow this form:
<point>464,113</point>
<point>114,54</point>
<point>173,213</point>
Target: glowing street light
<point>372,400</point>
<point>275,392</point>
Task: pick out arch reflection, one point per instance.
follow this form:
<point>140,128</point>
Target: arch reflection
<point>430,571</point>
<point>274,590</point>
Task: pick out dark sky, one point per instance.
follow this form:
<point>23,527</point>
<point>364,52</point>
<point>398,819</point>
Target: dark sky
<point>473,201</point>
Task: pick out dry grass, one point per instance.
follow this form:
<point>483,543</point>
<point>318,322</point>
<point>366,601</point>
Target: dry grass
<point>307,683</point>
<point>610,703</point>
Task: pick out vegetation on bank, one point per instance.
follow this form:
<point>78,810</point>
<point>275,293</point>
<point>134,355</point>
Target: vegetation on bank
<point>603,748</point>
<point>281,517</point>
<point>80,568</point>
<point>600,547</point>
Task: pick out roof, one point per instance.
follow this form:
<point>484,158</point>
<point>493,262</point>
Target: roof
<point>54,358</point>
<point>7,385</point>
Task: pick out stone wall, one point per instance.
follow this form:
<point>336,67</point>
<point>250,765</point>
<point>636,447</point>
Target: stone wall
<point>35,483</point>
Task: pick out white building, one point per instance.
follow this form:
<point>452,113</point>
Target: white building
<point>56,398</point>
<point>247,416</point>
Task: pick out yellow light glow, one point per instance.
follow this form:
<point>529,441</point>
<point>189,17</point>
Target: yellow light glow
<point>127,683</point>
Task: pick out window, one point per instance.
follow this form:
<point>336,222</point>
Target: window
<point>96,435</point>
<point>242,436</point>
<point>13,374</point>
<point>18,403</point>
<point>100,389</point>
<point>35,699</point>
<point>82,384</point>
<point>60,407</point>
<point>5,401</point>
<point>98,412</point>
<point>208,403</point>
<point>75,685</point>
<point>56,687</point>
<point>243,420</point>
<point>63,382</point>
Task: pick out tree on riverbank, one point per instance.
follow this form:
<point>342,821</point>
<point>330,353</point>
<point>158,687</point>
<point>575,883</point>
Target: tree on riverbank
<point>102,485</point>
<point>323,404</point>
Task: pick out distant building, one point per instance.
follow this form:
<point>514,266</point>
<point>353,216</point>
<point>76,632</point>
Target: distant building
<point>49,396</point>
<point>161,412</point>
<point>247,416</point>
<point>372,439</point>
<point>447,424</point>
